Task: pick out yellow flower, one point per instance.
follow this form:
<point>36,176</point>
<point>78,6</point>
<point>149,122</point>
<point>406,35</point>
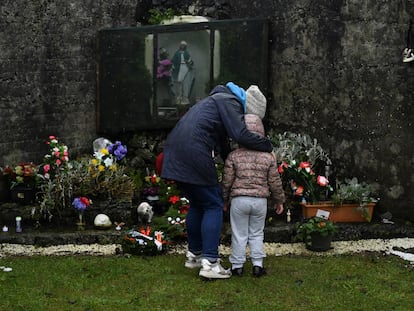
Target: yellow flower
<point>101,168</point>
<point>113,167</point>
<point>94,161</point>
<point>104,151</point>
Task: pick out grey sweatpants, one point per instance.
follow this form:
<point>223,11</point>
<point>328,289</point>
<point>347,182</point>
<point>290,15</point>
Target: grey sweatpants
<point>247,219</point>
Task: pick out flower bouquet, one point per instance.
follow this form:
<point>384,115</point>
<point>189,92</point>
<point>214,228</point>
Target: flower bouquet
<point>143,242</point>
<point>81,204</point>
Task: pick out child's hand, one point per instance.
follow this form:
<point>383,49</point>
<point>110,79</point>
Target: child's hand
<point>279,208</point>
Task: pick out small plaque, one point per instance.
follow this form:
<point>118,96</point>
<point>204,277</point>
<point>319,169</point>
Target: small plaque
<point>322,214</point>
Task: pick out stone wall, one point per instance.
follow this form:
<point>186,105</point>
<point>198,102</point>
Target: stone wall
<point>336,74</point>
<point>48,70</point>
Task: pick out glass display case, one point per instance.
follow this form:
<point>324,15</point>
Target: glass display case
<point>148,76</point>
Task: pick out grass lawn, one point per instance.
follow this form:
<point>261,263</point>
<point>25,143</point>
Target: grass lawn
<point>357,282</point>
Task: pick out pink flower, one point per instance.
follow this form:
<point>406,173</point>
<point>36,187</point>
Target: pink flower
<point>322,181</point>
<point>46,168</point>
<point>51,137</point>
<point>57,154</point>
<point>58,162</point>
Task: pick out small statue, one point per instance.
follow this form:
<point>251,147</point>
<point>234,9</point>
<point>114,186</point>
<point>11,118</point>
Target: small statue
<point>118,225</point>
<point>145,213</point>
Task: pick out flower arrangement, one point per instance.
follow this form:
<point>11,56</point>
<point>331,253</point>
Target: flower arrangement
<point>151,186</point>
<point>304,184</point>
<point>315,225</point>
<point>24,173</point>
<point>106,176</point>
<point>143,242</point>
<point>81,204</point>
<point>303,167</point>
<point>56,160</point>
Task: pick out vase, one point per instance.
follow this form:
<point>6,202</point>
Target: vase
<point>319,243</point>
<point>81,222</point>
<point>340,213</point>
<point>23,194</point>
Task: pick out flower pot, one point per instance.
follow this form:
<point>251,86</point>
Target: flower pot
<point>319,243</point>
<point>341,213</point>
<point>23,194</point>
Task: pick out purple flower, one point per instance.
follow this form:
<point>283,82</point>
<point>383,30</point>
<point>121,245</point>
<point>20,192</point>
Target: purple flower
<point>80,204</point>
<point>118,150</point>
<point>150,191</point>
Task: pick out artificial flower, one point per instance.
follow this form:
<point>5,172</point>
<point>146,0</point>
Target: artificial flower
<point>81,203</point>
<point>322,181</point>
<point>174,199</point>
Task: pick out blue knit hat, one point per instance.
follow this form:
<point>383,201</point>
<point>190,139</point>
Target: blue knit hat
<point>239,92</point>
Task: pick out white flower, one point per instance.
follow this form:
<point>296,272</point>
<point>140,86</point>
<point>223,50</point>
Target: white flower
<point>169,218</point>
<point>178,219</point>
<point>54,141</point>
<point>98,155</point>
<point>108,162</point>
<point>55,149</point>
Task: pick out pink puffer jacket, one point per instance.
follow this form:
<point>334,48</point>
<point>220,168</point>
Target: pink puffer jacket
<point>252,173</point>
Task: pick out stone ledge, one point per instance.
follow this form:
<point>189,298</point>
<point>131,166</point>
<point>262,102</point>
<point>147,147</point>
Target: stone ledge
<point>278,233</point>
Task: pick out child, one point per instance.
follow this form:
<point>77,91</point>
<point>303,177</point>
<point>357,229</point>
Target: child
<point>249,178</point>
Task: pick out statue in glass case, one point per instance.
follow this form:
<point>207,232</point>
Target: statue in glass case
<point>182,74</point>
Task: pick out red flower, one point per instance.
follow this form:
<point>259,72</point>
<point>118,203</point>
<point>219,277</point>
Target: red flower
<point>85,201</point>
<point>174,199</point>
<point>322,181</point>
<point>282,167</point>
<point>184,209</point>
<point>153,179</point>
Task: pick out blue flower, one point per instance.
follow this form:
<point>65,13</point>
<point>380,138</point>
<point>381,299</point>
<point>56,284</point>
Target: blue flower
<point>118,150</point>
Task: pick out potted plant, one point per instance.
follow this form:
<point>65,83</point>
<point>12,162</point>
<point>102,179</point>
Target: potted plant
<point>317,233</point>
<point>23,179</point>
<point>304,168</point>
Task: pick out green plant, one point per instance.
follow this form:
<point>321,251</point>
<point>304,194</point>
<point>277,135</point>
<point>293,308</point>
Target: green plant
<point>298,147</point>
<point>353,191</point>
<point>157,16</point>
<point>314,225</point>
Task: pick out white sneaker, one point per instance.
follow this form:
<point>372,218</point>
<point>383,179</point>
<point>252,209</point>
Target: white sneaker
<point>213,270</point>
<point>192,261</point>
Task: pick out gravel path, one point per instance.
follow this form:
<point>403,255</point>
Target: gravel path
<point>271,249</point>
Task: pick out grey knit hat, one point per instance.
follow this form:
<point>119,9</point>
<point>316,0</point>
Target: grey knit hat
<point>254,124</point>
<point>255,101</point>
